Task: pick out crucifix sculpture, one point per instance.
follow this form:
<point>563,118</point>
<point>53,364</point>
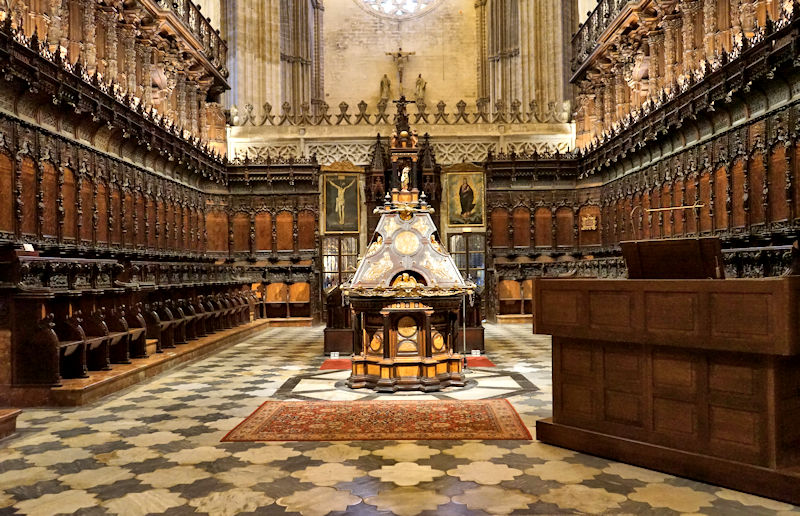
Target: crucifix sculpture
<point>400,59</point>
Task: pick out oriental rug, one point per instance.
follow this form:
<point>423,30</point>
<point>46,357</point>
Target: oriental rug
<point>344,363</point>
<point>376,420</point>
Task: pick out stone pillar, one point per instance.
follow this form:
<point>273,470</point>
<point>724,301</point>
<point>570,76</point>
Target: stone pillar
<point>747,15</point>
<point>180,99</point>
<point>144,56</point>
<point>109,18</point>
<point>690,9</point>
<point>621,89</point>
<point>709,26</point>
<point>202,115</point>
<point>736,20</point>
<point>88,45</point>
<point>192,110</point>
<point>656,74</point>
<point>54,28</point>
<point>127,75</point>
<point>610,98</point>
<point>598,115</point>
<point>672,31</point>
<point>483,49</point>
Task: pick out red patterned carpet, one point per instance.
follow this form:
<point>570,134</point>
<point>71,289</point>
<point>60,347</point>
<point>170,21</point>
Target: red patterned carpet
<point>381,420</point>
<point>344,363</point>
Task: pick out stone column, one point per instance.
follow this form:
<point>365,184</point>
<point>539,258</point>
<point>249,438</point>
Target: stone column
<point>710,26</point>
<point>144,56</point>
<point>672,31</point>
<point>747,15</point>
<point>54,28</point>
<point>598,116</point>
<point>483,49</point>
<point>88,45</point>
<point>610,98</point>
<point>127,75</point>
<point>202,115</point>
<point>656,74</point>
<point>192,111</point>
<point>180,99</point>
<point>109,18</point>
<point>690,9</point>
<point>621,88</point>
<point>736,20</point>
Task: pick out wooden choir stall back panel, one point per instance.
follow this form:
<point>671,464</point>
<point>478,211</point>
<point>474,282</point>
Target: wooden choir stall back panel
<point>698,378</point>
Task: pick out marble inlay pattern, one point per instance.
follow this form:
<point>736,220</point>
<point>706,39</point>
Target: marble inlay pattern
<point>155,449</point>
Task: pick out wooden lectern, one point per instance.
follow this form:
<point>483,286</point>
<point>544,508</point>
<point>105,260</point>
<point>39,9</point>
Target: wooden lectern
<point>695,377</point>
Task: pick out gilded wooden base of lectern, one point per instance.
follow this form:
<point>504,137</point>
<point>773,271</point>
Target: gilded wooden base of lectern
<point>392,375</point>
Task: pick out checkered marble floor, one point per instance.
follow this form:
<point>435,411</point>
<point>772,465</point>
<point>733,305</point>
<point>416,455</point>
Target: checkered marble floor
<point>156,449</point>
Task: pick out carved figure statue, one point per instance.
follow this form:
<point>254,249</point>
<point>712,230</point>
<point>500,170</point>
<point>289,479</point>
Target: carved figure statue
<point>386,87</point>
<point>404,177</point>
<point>405,280</point>
<point>340,199</point>
<point>419,92</point>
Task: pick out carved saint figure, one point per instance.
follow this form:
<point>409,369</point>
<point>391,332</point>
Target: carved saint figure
<point>340,199</point>
<point>419,91</point>
<point>467,197</point>
<point>386,87</point>
<point>404,177</point>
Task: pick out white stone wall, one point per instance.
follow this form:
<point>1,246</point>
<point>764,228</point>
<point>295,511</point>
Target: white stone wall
<point>356,41</point>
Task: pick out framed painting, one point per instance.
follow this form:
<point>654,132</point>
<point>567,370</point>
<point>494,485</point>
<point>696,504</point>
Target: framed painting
<point>341,201</point>
<point>466,199</point>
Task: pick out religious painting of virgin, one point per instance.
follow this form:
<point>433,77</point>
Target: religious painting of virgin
<point>340,198</point>
<point>465,203</point>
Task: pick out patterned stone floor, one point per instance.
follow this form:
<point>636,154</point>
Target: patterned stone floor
<point>156,450</point>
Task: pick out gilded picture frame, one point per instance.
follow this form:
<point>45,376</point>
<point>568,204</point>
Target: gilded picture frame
<point>341,202</point>
<point>466,199</point>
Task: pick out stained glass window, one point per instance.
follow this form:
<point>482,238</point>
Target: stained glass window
<point>399,8</point>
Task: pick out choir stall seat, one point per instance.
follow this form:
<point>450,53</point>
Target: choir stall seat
<point>119,336</point>
<point>167,322</point>
<point>276,300</point>
<point>97,342</point>
<point>179,331</point>
<point>71,348</point>
<point>137,327</point>
<point>511,302</point>
<point>191,317</point>
<point>300,300</point>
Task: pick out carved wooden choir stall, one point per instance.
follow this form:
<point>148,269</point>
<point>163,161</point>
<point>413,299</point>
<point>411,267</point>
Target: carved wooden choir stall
<point>406,296</point>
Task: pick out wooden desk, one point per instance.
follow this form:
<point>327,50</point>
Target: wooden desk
<point>699,378</point>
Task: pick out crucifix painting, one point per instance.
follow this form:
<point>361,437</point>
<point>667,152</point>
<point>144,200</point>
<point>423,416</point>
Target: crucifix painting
<point>341,203</point>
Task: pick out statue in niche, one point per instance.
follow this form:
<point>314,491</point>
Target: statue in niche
<point>405,177</point>
<point>386,87</point>
<point>419,92</point>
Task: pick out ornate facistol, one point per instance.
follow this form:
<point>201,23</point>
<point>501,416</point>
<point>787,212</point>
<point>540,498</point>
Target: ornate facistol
<point>406,295</point>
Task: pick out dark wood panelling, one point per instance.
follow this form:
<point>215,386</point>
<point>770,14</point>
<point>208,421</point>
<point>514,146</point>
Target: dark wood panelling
<point>28,196</point>
<point>6,194</point>
<point>306,230</point>
<point>263,231</point>
<point>285,231</point>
